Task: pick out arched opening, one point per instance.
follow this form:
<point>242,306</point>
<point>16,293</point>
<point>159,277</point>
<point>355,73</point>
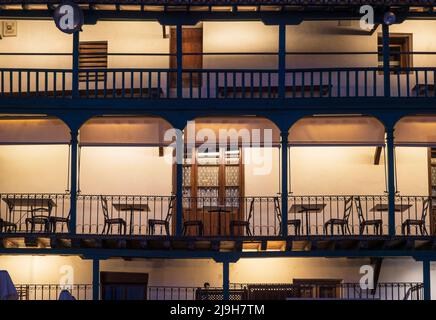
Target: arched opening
<point>125,176</point>
<point>415,155</point>
<point>34,166</point>
<point>337,179</point>
<point>231,176</point>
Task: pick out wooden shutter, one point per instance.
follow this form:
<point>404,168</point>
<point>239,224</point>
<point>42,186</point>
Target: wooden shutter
<point>92,55</point>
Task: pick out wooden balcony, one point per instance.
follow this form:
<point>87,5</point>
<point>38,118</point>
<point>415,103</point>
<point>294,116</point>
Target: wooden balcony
<point>238,291</point>
<point>316,83</point>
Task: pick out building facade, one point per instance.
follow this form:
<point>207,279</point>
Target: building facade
<point>258,147</point>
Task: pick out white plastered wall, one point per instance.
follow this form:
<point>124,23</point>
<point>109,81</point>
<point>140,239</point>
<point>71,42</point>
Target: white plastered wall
<point>28,269</point>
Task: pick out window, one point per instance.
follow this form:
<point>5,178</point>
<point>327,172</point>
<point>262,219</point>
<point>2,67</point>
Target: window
<point>319,288</point>
<point>399,44</point>
<point>92,55</point>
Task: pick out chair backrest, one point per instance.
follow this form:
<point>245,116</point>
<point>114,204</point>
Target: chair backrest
<point>425,207</point>
<point>359,209</point>
<point>251,210</point>
<point>104,206</point>
<point>277,210</point>
<point>348,208</point>
<point>170,208</point>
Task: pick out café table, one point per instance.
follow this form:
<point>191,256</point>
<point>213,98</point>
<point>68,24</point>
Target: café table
<point>307,208</point>
<point>219,210</point>
<point>24,206</point>
<point>380,207</point>
<point>132,208</point>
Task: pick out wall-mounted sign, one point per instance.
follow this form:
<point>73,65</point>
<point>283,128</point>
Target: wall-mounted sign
<point>68,17</point>
<point>9,29</point>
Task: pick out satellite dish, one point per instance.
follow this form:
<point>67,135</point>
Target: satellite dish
<point>389,18</point>
<point>68,17</point>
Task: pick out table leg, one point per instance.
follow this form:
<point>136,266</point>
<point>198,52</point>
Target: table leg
<point>307,223</point>
<point>131,222</point>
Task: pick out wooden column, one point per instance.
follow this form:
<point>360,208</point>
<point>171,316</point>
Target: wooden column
<point>284,190</point>
<point>179,56</point>
<point>391,178</point>
<point>95,279</point>
<point>282,60</point>
<point>73,182</point>
<point>75,65</point>
<point>386,54</point>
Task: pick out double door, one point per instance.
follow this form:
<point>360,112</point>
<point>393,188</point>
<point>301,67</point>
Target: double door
<point>213,190</point>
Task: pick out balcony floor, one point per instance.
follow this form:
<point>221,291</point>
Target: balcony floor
<point>148,246</point>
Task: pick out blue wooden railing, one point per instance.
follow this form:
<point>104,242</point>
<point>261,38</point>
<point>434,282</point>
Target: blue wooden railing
<point>161,83</point>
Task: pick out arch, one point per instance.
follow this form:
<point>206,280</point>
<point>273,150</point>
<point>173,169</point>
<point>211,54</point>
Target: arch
<point>416,130</point>
<point>118,130</point>
<point>33,129</point>
<point>334,130</point>
<point>236,123</point>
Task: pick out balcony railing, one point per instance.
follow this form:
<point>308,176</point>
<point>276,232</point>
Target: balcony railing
<point>53,291</point>
<point>231,216</point>
<point>238,291</point>
<point>357,215</point>
<point>125,214</point>
<point>34,212</point>
<point>161,83</point>
<point>147,215</point>
<point>342,291</point>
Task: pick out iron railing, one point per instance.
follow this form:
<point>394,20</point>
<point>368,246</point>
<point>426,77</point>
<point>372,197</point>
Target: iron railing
<point>357,215</point>
<point>341,291</point>
<point>53,291</point>
<point>231,216</point>
<point>125,214</point>
<point>161,83</point>
<point>34,212</point>
<point>238,291</point>
<point>363,215</point>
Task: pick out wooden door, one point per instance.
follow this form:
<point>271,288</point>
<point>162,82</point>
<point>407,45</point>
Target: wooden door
<point>123,286</point>
<point>192,42</point>
<point>198,207</point>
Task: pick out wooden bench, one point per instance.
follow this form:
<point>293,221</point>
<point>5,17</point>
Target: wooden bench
<point>315,90</point>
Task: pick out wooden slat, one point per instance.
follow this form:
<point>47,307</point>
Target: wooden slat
<point>92,55</point>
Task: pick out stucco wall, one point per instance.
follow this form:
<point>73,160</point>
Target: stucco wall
<point>193,273</point>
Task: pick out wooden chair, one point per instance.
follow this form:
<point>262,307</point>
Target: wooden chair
<point>363,223</point>
<point>420,223</point>
<point>53,221</point>
<point>243,223</point>
<point>152,223</point>
<point>6,225</point>
<point>296,223</point>
<point>38,218</point>
<point>198,224</point>
<point>109,222</point>
<point>342,223</point>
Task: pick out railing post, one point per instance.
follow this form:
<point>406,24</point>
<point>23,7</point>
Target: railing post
<point>73,182</point>
<point>179,57</point>
<point>226,280</point>
<point>391,177</point>
<point>95,279</point>
<point>284,178</point>
<point>75,65</point>
<point>426,279</point>
<point>282,60</point>
<point>386,66</point>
